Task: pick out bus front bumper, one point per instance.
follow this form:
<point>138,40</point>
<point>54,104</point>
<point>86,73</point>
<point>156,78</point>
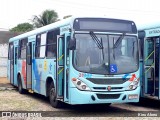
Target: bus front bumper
<point>88,97</point>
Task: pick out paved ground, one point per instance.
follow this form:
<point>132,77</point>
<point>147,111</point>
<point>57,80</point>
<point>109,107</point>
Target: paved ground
<point>11,100</point>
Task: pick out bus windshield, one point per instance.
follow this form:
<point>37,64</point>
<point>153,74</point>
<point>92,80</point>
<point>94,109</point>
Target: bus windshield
<point>90,58</point>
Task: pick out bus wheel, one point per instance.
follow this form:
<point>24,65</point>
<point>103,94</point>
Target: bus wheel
<point>52,97</point>
<point>20,89</point>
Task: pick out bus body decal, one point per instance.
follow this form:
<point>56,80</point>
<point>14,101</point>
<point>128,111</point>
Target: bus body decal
<point>133,77</point>
<point>24,71</point>
<point>37,75</point>
<point>125,76</point>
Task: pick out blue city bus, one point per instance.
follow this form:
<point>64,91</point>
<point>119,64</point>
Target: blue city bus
<point>79,60</point>
<point>149,36</point>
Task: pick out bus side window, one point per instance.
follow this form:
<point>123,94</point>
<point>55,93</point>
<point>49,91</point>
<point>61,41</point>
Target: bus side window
<point>51,47</point>
<point>40,45</point>
<point>38,42</point>
<point>22,51</point>
<point>10,51</point>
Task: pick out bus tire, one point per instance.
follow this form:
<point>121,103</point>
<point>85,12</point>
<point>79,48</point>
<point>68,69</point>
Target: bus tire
<point>53,98</point>
<point>20,88</point>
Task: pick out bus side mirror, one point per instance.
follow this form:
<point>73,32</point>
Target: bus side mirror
<point>72,44</point>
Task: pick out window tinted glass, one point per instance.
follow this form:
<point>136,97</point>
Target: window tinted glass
<point>10,50</point>
<point>52,43</point>
<point>22,52</point>
<point>40,45</point>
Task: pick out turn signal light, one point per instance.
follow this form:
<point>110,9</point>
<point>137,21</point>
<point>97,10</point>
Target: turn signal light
<point>74,79</point>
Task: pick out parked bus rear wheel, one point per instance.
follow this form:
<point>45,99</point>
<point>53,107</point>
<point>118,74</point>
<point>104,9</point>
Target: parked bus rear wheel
<point>52,97</point>
<point>20,88</point>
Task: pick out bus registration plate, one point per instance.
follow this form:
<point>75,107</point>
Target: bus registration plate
<point>134,96</point>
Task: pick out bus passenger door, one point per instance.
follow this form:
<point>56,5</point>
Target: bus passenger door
<point>29,66</point>
<point>149,67</point>
<point>12,65</point>
<point>15,65</point>
<point>66,72</point>
<point>60,67</point>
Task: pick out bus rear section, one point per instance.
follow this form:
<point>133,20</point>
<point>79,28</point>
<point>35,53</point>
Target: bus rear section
<point>80,60</point>
<point>150,60</point>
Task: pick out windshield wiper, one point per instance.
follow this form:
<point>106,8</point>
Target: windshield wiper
<point>119,40</point>
<point>97,41</point>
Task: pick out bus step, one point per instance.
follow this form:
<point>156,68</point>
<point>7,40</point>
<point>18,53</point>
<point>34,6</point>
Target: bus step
<point>30,91</point>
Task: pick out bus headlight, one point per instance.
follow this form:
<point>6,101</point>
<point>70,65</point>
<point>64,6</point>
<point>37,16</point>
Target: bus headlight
<point>134,84</point>
<point>80,85</point>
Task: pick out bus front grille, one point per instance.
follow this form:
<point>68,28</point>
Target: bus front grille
<point>108,96</point>
<point>107,81</point>
<point>105,88</point>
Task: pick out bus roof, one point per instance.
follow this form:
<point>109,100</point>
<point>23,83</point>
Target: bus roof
<point>67,21</point>
<point>149,26</point>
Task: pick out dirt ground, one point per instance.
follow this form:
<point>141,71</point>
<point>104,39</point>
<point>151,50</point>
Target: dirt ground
<point>3,80</point>
<point>4,83</point>
<point>11,100</point>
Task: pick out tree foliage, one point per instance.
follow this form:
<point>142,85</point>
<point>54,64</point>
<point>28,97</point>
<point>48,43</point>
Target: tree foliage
<point>22,27</point>
<point>47,17</point>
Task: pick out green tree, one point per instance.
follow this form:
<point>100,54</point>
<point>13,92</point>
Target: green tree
<point>47,17</point>
<point>22,27</point>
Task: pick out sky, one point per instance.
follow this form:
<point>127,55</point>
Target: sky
<point>13,12</point>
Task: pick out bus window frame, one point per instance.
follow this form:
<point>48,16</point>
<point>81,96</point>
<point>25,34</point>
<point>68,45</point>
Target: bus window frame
<point>9,51</point>
<point>55,43</point>
<point>20,48</point>
<point>39,46</point>
<point>29,53</point>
